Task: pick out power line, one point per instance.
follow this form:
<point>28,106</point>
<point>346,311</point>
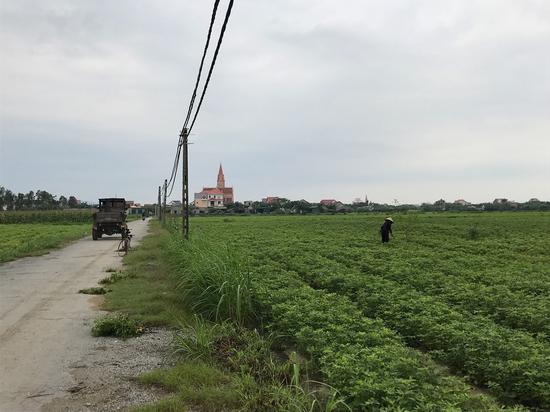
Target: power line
<point>175,169</point>
<point>212,19</point>
<point>185,131</point>
<point>220,39</point>
<point>193,96</point>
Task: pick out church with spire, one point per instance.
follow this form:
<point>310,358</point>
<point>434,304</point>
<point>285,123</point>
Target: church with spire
<point>216,197</point>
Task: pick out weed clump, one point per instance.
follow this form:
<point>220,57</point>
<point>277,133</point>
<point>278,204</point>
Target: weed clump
<point>93,291</point>
<point>112,278</point>
<point>118,325</point>
<point>473,233</point>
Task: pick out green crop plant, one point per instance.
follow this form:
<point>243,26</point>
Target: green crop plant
<point>18,240</point>
<point>47,216</point>
<point>422,323</point>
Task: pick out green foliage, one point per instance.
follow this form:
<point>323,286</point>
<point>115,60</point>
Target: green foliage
<point>254,379</point>
<point>18,240</point>
<point>144,289</point>
<point>214,281</point>
<point>481,308</point>
<point>118,325</point>
<point>63,217</point>
<point>195,340</point>
<point>114,276</point>
<point>473,233</point>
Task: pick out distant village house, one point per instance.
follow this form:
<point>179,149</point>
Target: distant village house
<point>271,200</point>
<point>215,197</point>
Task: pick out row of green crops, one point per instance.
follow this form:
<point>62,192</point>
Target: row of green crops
<point>512,364</point>
<point>478,305</point>
<point>28,240</point>
<point>526,311</point>
<point>47,216</point>
<point>362,358</point>
<point>365,361</point>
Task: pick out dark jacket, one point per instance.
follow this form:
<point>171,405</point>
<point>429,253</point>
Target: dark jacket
<point>386,227</point>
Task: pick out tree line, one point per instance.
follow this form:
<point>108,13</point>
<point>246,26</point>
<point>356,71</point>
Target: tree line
<point>39,200</point>
<point>286,206</point>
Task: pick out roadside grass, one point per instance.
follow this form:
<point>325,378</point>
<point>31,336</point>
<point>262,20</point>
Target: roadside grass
<point>144,288</point>
<point>214,281</point>
<point>220,364</point>
<point>113,277</point>
<point>118,325</point>
<point>194,383</point>
<point>34,239</point>
<point>224,367</point>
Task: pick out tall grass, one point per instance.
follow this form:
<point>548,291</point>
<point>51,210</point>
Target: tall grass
<point>214,280</point>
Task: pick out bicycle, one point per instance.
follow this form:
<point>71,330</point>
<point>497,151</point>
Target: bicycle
<point>124,245</point>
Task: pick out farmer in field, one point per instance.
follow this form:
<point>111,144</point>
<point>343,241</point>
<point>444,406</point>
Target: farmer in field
<point>385,229</point>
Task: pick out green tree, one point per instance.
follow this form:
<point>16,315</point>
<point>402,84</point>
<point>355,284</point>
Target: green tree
<point>45,200</point>
<point>63,202</point>
<point>19,201</point>
<point>2,197</point>
<point>29,200</point>
<point>73,202</point>
<point>9,199</point>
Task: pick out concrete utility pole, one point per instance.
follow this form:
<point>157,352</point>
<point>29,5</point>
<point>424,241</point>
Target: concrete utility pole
<point>159,210</point>
<point>164,201</point>
<point>185,189</point>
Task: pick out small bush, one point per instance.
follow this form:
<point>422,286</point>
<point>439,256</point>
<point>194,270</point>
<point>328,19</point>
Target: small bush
<point>118,325</point>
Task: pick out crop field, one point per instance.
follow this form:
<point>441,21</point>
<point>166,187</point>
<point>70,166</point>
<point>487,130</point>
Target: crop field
<point>47,216</point>
<point>18,240</point>
<point>452,314</point>
<point>34,233</point>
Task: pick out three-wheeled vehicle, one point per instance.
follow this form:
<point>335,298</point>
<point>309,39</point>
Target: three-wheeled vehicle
<point>110,218</point>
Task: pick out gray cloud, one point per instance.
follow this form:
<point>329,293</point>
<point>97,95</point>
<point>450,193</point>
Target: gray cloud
<point>407,100</point>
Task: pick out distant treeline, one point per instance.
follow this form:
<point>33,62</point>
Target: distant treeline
<point>39,200</point>
<point>285,206</point>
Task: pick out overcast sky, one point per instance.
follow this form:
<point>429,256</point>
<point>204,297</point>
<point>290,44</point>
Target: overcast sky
<point>407,100</point>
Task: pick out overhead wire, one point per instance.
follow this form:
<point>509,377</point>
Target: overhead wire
<point>212,19</point>
<point>220,40</point>
<point>175,166</point>
<point>192,101</point>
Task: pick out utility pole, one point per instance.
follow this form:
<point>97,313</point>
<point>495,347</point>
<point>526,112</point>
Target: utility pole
<point>164,201</point>
<point>159,213</point>
<point>185,189</point>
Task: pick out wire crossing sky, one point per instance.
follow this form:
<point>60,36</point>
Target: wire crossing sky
<point>413,101</point>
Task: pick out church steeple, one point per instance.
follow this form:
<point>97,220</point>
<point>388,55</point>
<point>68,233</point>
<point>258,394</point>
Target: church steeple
<point>221,178</point>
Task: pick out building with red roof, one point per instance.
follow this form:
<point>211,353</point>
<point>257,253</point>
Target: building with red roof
<point>217,197</point>
<point>329,202</point>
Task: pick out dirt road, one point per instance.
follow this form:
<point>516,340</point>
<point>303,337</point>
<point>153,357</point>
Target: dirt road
<point>45,323</point>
